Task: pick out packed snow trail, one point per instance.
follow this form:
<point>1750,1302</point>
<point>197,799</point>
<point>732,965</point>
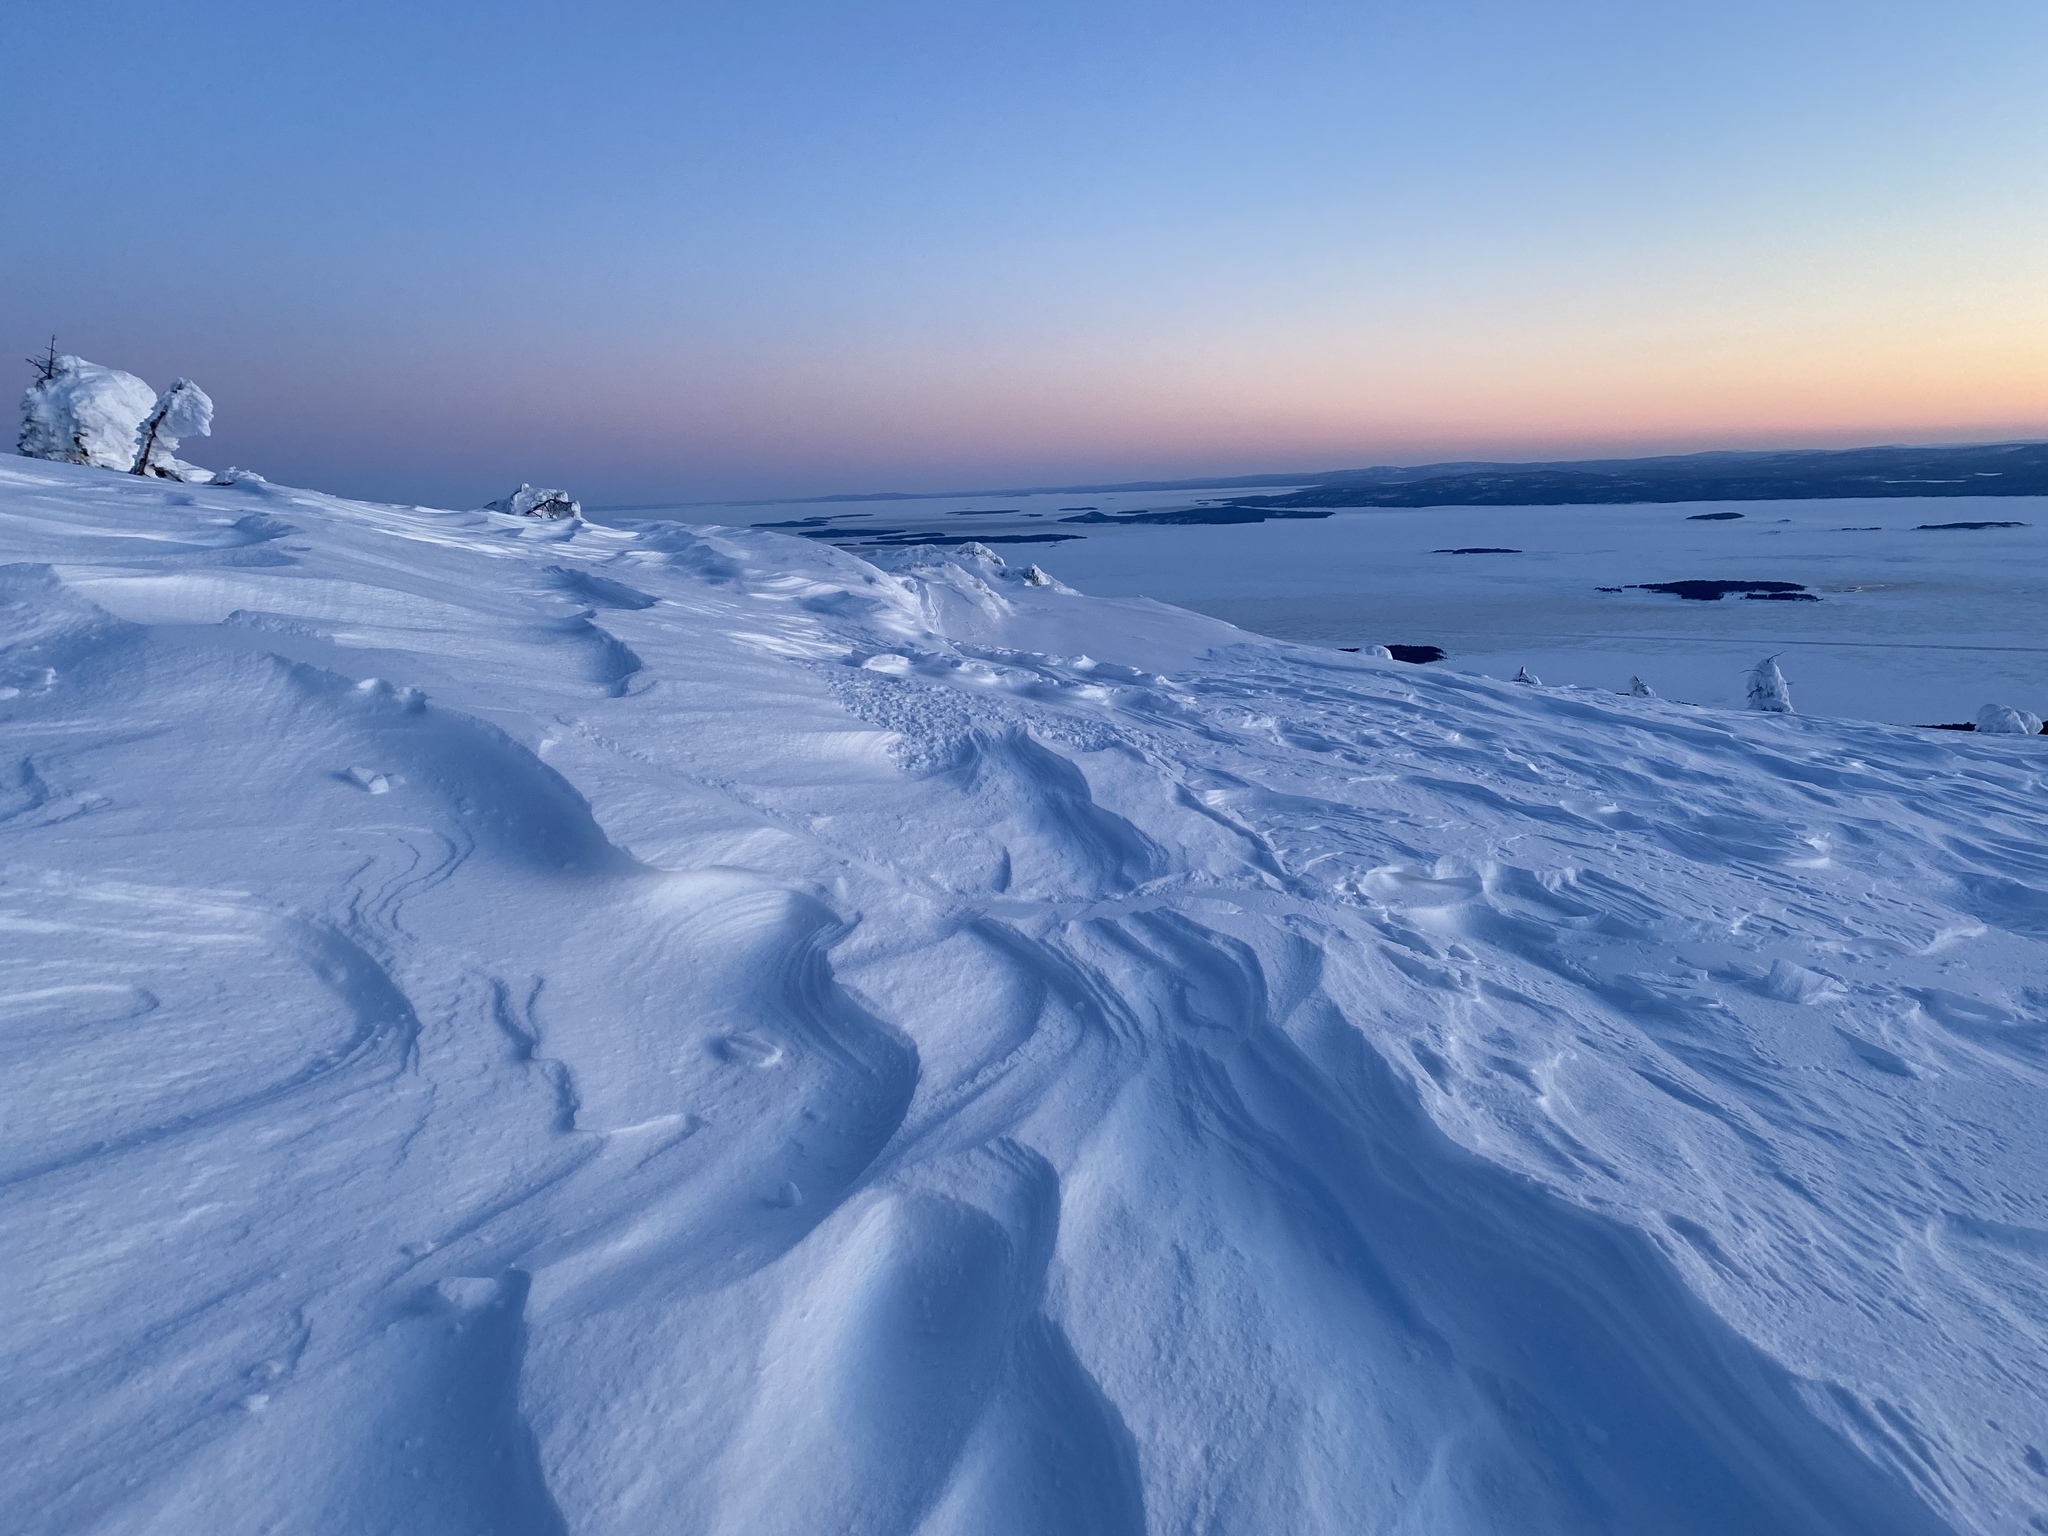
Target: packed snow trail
<point>528,1027</point>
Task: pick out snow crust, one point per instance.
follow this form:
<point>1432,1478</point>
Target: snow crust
<point>542,1027</point>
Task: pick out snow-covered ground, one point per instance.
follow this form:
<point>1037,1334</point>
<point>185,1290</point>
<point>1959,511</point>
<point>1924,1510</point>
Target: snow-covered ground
<point>1912,624</point>
<point>530,1027</point>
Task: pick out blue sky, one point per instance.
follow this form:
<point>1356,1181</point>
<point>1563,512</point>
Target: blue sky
<point>427,251</point>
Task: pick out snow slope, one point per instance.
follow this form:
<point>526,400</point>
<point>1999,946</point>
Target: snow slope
<point>533,1027</point>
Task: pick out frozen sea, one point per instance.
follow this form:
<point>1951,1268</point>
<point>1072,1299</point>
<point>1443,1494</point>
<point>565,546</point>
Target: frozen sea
<point>1913,625</point>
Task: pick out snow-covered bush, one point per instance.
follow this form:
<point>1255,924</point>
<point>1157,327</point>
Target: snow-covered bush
<point>1034,577</point>
<point>1638,689</point>
<point>1768,690</point>
<point>535,501</point>
<point>1524,675</point>
<point>84,413</point>
<point>184,410</point>
<point>2004,720</point>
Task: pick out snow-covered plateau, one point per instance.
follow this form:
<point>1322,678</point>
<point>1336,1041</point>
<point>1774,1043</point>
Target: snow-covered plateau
<point>524,1026</point>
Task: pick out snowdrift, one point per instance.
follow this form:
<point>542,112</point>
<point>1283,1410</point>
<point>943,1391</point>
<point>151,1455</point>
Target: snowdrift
<point>522,1026</point>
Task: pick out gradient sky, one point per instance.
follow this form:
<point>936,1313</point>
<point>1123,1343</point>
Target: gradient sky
<point>425,251</point>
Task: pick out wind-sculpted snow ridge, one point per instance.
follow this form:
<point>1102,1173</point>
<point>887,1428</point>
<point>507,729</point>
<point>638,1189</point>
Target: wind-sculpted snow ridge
<point>534,1027</point>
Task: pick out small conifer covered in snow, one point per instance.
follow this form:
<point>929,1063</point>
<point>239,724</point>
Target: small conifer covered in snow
<point>535,501</point>
<point>2004,720</point>
<point>1768,690</point>
<point>78,412</point>
<point>184,410</point>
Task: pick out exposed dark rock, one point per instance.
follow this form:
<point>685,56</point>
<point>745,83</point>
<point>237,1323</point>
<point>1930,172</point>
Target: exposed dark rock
<point>1476,549</point>
<point>1713,517</point>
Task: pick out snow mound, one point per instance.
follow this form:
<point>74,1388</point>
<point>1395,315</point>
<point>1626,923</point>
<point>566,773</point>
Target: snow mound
<point>633,1030</point>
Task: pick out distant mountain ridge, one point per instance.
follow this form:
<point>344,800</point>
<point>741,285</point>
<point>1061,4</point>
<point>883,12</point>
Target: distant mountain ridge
<point>1971,469</point>
<point>1993,469</point>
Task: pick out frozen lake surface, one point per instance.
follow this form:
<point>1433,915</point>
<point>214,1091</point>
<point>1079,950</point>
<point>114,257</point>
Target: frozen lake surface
<point>1913,625</point>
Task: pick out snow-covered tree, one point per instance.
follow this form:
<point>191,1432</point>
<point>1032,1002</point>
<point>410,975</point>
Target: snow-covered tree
<point>2004,720</point>
<point>83,413</point>
<point>535,501</point>
<point>1034,577</point>
<point>1768,690</point>
<point>1638,689</point>
<point>182,411</point>
<point>1526,676</point>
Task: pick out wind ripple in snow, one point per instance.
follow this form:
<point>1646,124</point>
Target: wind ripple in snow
<point>910,1051</point>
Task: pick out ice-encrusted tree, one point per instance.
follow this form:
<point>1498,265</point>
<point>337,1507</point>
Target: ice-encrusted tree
<point>2004,720</point>
<point>536,501</point>
<point>1768,690</point>
<point>78,412</point>
<point>184,410</point>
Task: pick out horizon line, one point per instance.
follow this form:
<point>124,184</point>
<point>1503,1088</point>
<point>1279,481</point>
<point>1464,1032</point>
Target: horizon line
<point>1304,478</point>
